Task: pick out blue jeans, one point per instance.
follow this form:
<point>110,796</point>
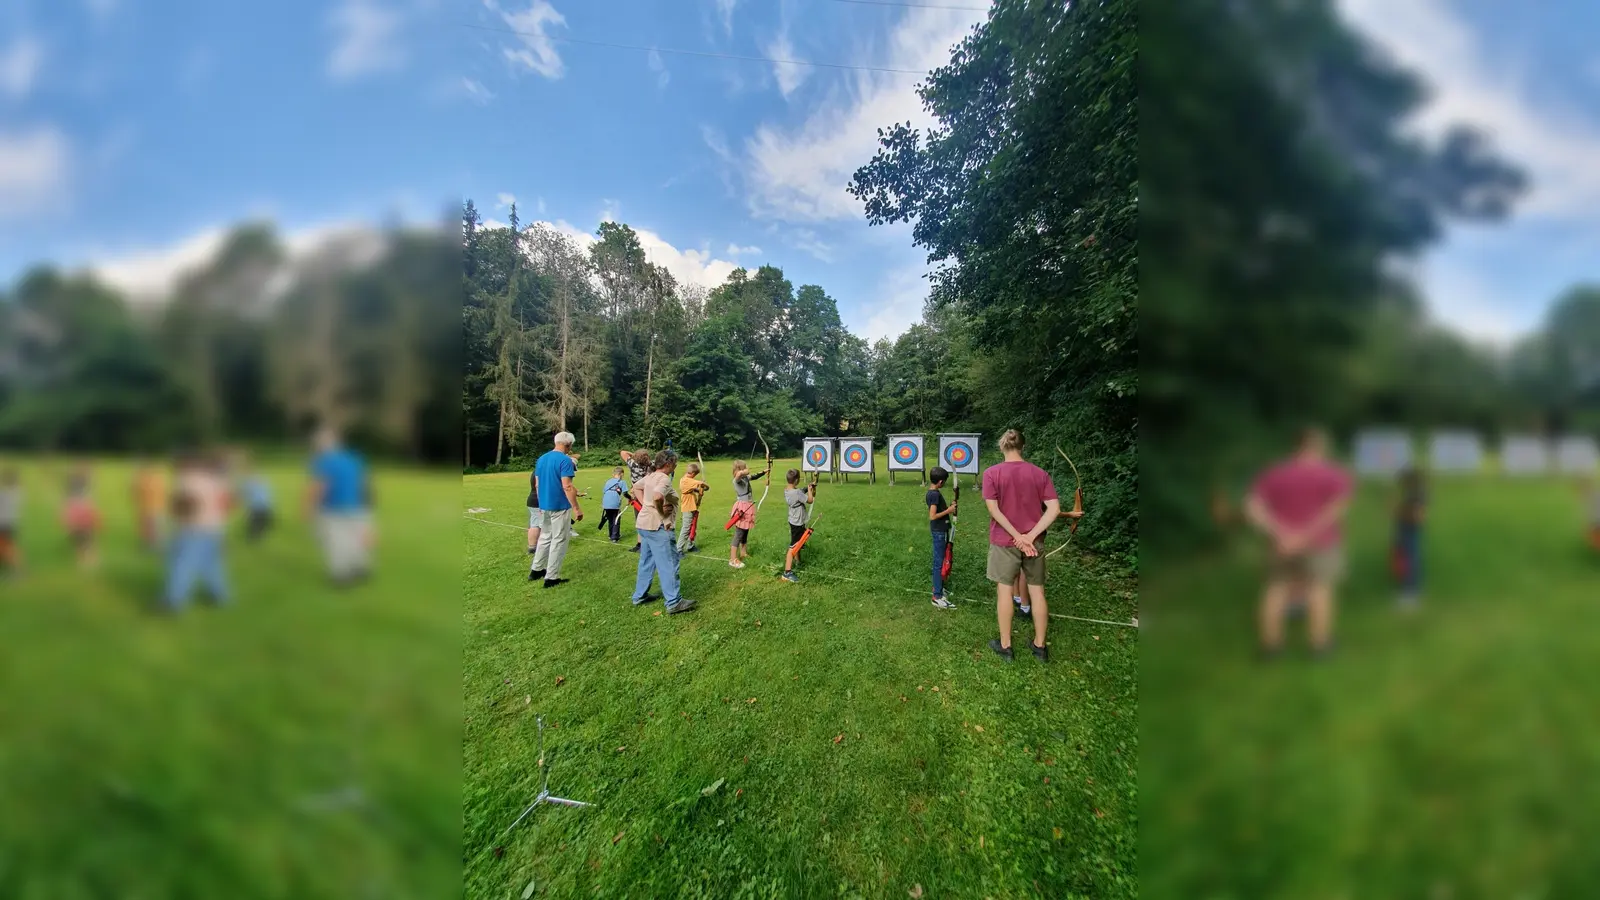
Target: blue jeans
<point>657,557</point>
<point>195,556</point>
<point>1408,543</point>
<point>941,539</point>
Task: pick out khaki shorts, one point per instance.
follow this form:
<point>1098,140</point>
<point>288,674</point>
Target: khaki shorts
<point>1325,565</point>
<point>1006,562</point>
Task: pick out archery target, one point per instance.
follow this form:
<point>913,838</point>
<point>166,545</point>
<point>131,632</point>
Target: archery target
<point>959,453</point>
<point>1577,455</point>
<point>905,452</point>
<point>1522,454</point>
<point>1456,451</point>
<point>855,455</point>
<point>1382,451</point>
<point>818,455</point>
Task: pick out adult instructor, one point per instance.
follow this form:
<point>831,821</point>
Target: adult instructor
<point>1022,503</point>
<point>553,506</point>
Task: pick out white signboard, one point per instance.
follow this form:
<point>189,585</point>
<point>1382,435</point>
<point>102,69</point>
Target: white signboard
<point>958,453</point>
<point>1382,451</point>
<point>1524,454</point>
<point>855,457</point>
<point>816,455</point>
<point>1456,451</point>
<point>1577,455</point>
<point>905,453</point>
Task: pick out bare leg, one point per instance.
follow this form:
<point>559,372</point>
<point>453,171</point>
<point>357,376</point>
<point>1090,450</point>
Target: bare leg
<point>1319,600</point>
<point>533,539</point>
<point>1270,621</point>
<point>1041,613</point>
<point>1003,612</point>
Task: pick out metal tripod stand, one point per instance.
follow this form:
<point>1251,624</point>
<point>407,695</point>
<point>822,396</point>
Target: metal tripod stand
<point>544,786</point>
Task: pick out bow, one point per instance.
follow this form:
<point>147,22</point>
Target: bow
<point>950,544</point>
<point>1077,503</point>
<point>767,450</point>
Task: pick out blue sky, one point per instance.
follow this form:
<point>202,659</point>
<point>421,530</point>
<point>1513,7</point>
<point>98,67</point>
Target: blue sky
<point>133,131</point>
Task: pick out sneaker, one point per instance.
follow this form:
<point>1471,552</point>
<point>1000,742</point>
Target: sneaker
<point>634,549</point>
<point>532,550</point>
<point>1042,654</point>
<point>694,549</point>
<point>536,575</point>
<point>791,577</point>
<point>942,603</point>
<point>682,606</point>
<point>1026,609</point>
<point>552,582</point>
<point>1004,652</point>
<point>647,598</point>
<point>735,565</point>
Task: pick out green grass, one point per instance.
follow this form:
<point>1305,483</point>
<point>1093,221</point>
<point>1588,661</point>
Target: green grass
<point>954,772</point>
<point>1453,754</point>
<point>302,743</point>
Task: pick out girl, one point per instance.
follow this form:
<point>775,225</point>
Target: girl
<point>744,513</point>
<point>639,465</point>
<point>80,517</point>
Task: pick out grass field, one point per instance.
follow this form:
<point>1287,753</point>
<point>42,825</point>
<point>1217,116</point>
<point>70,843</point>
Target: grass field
<point>836,737</point>
<point>1450,755</point>
<point>302,743</point>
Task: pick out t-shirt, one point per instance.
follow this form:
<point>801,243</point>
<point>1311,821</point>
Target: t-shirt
<point>10,507</point>
<point>690,487</point>
<point>550,469</point>
<point>935,499</point>
<point>148,491</point>
<point>612,497</point>
<point>647,489</point>
<point>796,499</point>
<point>257,494</point>
<point>1020,489</point>
<point>741,486</point>
<point>636,469</point>
<point>207,497</point>
<point>1297,491</point>
<point>1413,499</point>
<point>343,478</point>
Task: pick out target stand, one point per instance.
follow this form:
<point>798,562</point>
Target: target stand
<point>544,795</point>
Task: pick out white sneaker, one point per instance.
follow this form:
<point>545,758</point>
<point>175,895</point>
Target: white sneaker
<point>1026,609</point>
<point>735,565</point>
<point>942,603</point>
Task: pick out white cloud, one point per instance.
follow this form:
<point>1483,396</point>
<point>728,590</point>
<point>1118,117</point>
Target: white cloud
<point>789,75</point>
<point>698,267</point>
<point>538,52</point>
<point>1557,146</point>
<point>806,240</point>
<point>897,306</point>
<point>801,174</point>
<point>725,10</point>
<point>539,206</point>
<point>368,39</point>
<point>34,167</point>
<point>476,91</point>
<point>504,200</point>
<point>735,250</point>
<point>19,66</point>
<point>658,66</point>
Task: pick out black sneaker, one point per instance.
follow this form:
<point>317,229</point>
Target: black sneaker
<point>1042,654</point>
<point>647,598</point>
<point>552,582</point>
<point>1004,652</point>
<point>682,607</point>
<point>634,549</point>
<point>536,575</point>
<point>532,550</point>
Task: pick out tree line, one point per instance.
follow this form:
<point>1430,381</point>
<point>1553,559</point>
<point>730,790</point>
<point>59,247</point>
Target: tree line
<point>252,346</point>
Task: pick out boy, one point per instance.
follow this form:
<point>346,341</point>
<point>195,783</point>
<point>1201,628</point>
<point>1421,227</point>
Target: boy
<point>611,505</point>
<point>939,525</point>
<point>692,489</point>
<point>10,518</point>
<point>149,495</point>
<point>81,518</point>
<point>199,515</point>
<point>744,513</point>
<point>797,501</point>
<point>639,465</point>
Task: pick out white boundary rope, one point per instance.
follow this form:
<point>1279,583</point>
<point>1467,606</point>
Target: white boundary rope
<point>872,584</point>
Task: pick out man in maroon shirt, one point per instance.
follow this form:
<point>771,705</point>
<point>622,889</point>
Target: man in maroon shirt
<point>1022,503</point>
<point>1299,504</point>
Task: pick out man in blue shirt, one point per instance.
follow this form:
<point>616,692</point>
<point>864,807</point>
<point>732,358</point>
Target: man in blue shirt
<point>340,497</point>
<point>557,507</point>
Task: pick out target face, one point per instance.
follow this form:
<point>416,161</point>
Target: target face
<point>817,455</point>
<point>958,454</point>
<point>855,456</point>
<point>905,452</point>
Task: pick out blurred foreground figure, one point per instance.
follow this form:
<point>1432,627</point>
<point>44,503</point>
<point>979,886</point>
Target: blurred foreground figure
<point>10,518</point>
<point>149,496</point>
<point>1300,504</point>
<point>1409,513</point>
<point>81,518</point>
<point>341,499</point>
<point>200,517</point>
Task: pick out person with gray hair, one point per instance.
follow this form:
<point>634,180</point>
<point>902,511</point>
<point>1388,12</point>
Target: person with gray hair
<point>551,509</point>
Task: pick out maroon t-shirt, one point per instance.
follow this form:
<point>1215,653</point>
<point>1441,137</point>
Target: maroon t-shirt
<point>1297,491</point>
<point>1020,489</point>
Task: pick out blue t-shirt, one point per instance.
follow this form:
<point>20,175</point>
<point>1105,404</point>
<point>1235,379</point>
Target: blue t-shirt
<point>343,477</point>
<point>550,469</point>
<point>256,494</point>
<point>613,494</point>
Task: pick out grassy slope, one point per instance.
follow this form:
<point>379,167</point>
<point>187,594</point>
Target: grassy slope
<point>301,744</point>
<point>1449,756</point>
<point>755,687</point>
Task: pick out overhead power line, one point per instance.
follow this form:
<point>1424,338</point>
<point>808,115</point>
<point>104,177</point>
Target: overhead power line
<point>705,53</point>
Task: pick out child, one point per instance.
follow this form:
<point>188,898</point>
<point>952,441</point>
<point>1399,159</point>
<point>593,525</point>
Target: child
<point>797,501</point>
<point>10,518</point>
<point>692,489</point>
<point>149,494</point>
<point>639,465</point>
<point>611,505</point>
<point>199,514</point>
<point>80,517</point>
<point>939,525</point>
<point>744,513</point>
<point>258,503</point>
<point>1408,536</point>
